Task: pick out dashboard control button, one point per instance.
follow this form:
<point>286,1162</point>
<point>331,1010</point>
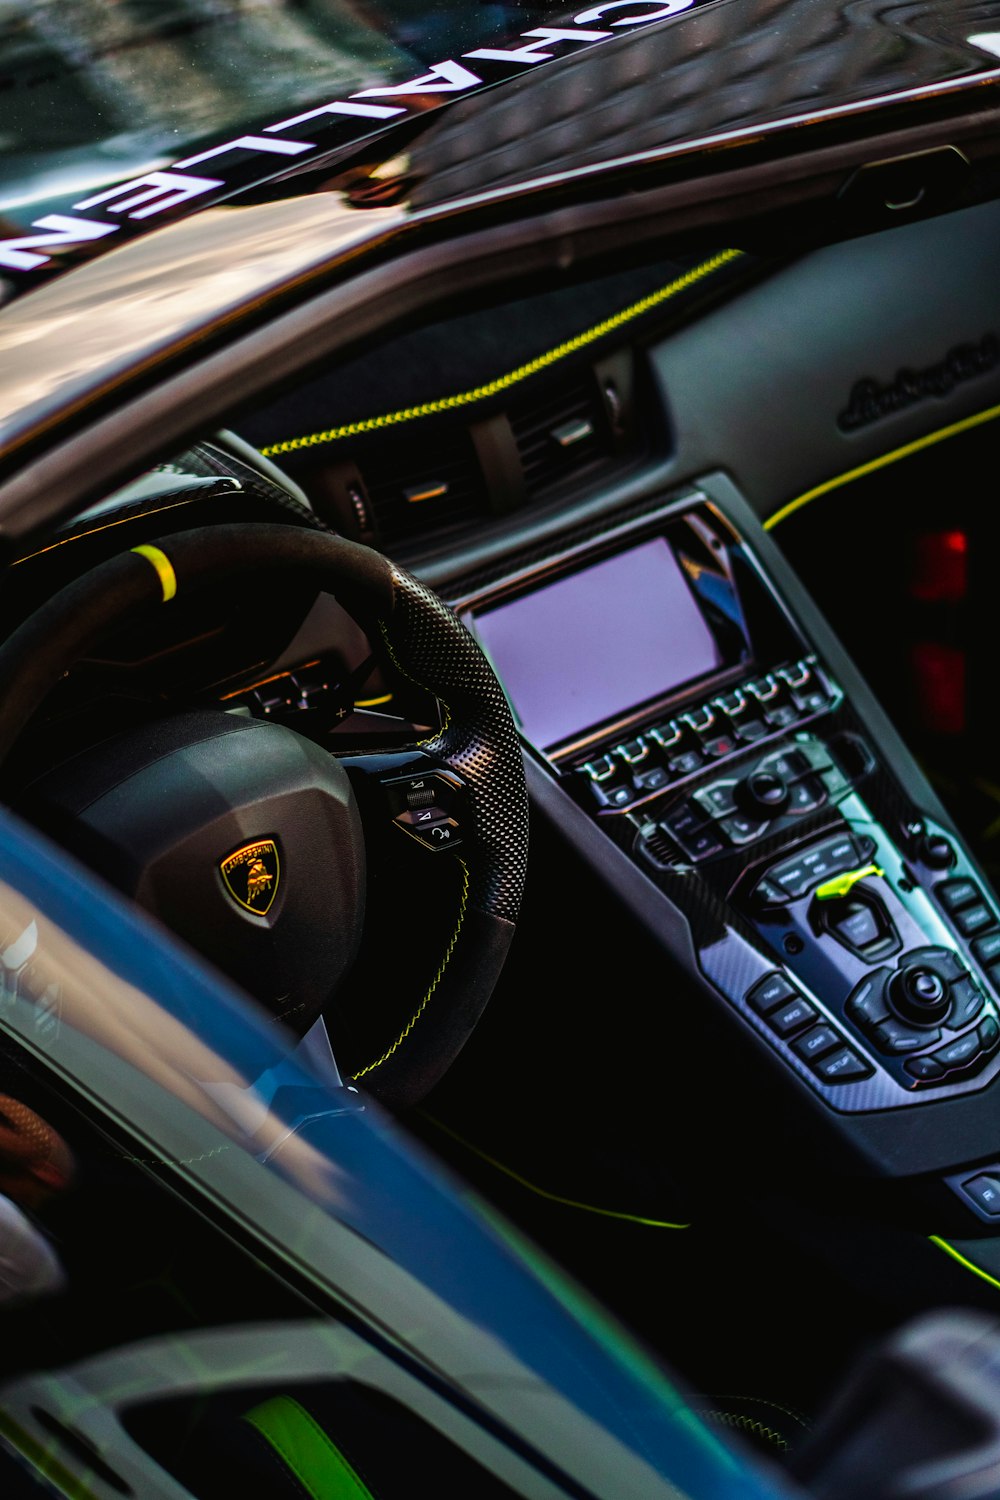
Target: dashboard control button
<point>798,675</point>
<point>686,763</point>
<point>960,1053</point>
<point>918,993</point>
<point>806,795</point>
<point>989,1034</point>
<point>750,729</point>
<point>701,845</point>
<point>700,720</point>
<point>866,1005</point>
<point>924,1069</point>
<point>667,736</point>
<point>763,793</point>
<point>795,876</point>
<point>792,1018</point>
<point>601,769</point>
<point>892,1036</point>
<point>770,992</point>
<point>944,961</point>
<point>718,745</point>
<point>857,926</point>
<point>987,949</point>
<point>653,779</point>
<point>967,1000</point>
<point>731,704</point>
<point>954,894</point>
<point>782,716</point>
<point>812,702</point>
<point>615,796</point>
<point>935,851</point>
<point>843,1066</point>
<point>787,764</point>
<point>682,820</point>
<point>984,1192</point>
<point>973,919</point>
<point>632,752</point>
<point>716,800</point>
<point>857,920</point>
<point>817,1042</point>
<point>740,829</point>
<point>765,689</point>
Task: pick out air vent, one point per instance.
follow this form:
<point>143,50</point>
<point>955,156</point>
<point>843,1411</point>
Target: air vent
<point>559,436</point>
<point>434,487</point>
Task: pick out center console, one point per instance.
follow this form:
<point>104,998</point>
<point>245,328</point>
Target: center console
<point>672,693</point>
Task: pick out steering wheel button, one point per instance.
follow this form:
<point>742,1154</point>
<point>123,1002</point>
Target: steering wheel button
<point>817,1042</point>
<point>973,919</point>
<point>788,1020</point>
<point>770,992</point>
<point>843,1066</point>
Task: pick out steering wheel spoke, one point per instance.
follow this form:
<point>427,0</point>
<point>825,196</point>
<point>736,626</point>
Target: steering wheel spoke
<point>413,793</point>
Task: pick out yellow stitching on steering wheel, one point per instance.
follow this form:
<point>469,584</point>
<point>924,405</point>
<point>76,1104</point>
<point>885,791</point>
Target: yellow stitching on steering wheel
<point>434,982</point>
<point>404,673</point>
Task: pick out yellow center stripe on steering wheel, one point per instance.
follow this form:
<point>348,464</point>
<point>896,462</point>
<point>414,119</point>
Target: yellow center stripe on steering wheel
<point>164,569</point>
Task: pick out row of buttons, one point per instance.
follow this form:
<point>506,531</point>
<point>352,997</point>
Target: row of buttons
<point>818,1043</point>
<point>968,911</point>
<point>800,873</point>
<point>966,1055</point>
<point>711,819</point>
<point>665,753</point>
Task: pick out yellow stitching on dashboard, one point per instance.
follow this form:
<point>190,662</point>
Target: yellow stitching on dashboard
<point>881,463</point>
<point>434,982</point>
<point>532,1187</point>
<point>513,377</point>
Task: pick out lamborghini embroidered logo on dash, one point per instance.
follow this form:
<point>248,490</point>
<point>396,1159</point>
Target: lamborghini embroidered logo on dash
<point>251,875</point>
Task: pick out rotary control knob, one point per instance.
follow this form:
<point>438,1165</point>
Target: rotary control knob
<point>919,994</point>
<point>763,793</point>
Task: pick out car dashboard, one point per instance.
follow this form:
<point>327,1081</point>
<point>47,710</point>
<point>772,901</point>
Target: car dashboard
<point>694,511</point>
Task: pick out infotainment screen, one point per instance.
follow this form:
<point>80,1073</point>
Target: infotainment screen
<point>595,643</point>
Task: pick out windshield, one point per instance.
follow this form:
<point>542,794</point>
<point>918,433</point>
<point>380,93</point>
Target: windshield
<point>91,93</point>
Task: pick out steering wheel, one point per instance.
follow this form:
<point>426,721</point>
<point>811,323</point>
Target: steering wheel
<point>250,840</point>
